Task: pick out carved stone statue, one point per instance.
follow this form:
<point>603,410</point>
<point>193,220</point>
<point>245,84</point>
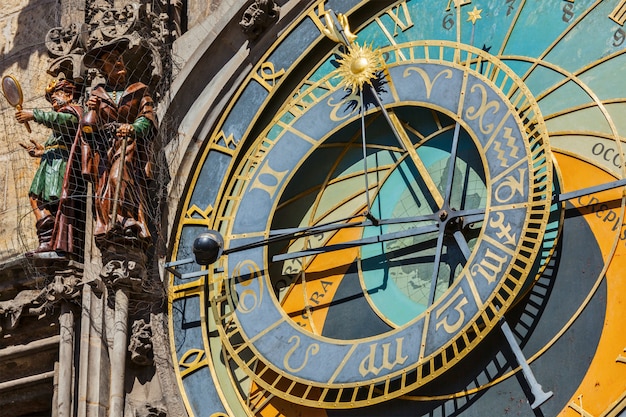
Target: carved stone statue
<point>118,130</point>
<point>55,182</point>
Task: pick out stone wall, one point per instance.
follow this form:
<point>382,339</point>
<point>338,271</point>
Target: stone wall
<point>23,28</point>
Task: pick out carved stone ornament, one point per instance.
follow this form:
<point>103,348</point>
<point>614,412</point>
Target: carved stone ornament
<point>65,285</point>
<point>123,272</point>
<point>258,17</point>
<point>109,24</point>
<point>140,346</point>
<point>66,40</point>
<point>150,28</point>
<point>145,410</point>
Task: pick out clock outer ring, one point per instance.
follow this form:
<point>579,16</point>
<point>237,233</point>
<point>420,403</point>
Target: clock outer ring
<point>428,364</point>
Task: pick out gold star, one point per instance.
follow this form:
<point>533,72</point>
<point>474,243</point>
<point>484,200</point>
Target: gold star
<point>474,15</point>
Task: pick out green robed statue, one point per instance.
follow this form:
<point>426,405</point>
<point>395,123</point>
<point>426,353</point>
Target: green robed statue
<point>52,184</point>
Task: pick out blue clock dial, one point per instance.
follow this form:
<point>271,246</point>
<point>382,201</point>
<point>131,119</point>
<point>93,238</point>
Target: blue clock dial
<point>432,182</point>
<point>511,153</point>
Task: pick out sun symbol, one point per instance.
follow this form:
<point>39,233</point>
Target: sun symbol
<point>358,66</point>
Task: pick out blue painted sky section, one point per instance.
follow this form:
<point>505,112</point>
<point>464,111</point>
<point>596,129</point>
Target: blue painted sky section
<point>583,45</point>
<point>244,110</point>
<point>185,250</point>
<point>257,203</point>
<point>300,39</point>
<point>209,180</point>
<point>538,25</point>
<point>201,393</point>
<point>341,6</point>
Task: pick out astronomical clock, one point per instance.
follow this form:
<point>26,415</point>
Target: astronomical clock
<point>412,208</point>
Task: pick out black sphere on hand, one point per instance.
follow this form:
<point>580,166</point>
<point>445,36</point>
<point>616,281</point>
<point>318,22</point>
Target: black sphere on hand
<point>208,247</point>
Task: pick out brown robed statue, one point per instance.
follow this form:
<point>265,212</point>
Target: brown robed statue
<point>118,130</point>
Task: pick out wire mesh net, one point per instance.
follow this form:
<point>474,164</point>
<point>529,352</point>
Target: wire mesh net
<point>65,182</point>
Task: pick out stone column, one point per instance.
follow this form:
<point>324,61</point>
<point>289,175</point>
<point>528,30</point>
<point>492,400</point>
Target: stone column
<point>66,360</point>
<point>118,357</point>
<point>123,272</point>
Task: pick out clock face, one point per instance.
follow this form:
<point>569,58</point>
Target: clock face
<point>426,220</point>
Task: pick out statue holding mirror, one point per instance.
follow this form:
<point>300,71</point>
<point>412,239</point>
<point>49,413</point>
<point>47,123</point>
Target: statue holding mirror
<point>56,180</point>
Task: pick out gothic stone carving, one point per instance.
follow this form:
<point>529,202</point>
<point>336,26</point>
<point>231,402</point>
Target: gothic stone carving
<point>140,346</point>
<point>149,28</point>
<point>65,285</point>
<point>259,16</point>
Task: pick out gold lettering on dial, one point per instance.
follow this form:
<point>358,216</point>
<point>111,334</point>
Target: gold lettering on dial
<point>225,144</point>
<point>311,350</point>
<point>316,16</point>
<point>457,3</point>
<point>341,103</point>
<point>191,361</point>
<point>504,231</point>
<point>368,364</point>
<point>245,272</point>
<point>447,73</point>
<point>489,266</point>
<point>194,211</point>
<point>268,76</point>
<point>401,18</point>
<point>510,142</point>
<point>276,178</point>
<point>510,186</point>
<point>459,300</point>
<point>474,113</point>
<point>579,407</point>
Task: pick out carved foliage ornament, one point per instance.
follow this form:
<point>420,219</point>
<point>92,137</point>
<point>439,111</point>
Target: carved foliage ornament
<point>147,26</point>
<point>65,40</point>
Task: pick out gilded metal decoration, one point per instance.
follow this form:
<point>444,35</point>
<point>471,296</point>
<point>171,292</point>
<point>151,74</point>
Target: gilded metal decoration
<point>359,65</point>
<point>12,91</point>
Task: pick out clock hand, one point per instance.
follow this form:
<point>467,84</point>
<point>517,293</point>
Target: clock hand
<point>462,243</point>
<point>405,142</point>
<point>452,166</point>
<point>445,208</point>
<point>436,262</point>
<point>278,235</point>
<point>392,120</point>
<point>208,246</point>
<point>461,218</point>
<point>414,231</point>
<point>368,213</point>
<point>540,396</point>
<point>589,190</point>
